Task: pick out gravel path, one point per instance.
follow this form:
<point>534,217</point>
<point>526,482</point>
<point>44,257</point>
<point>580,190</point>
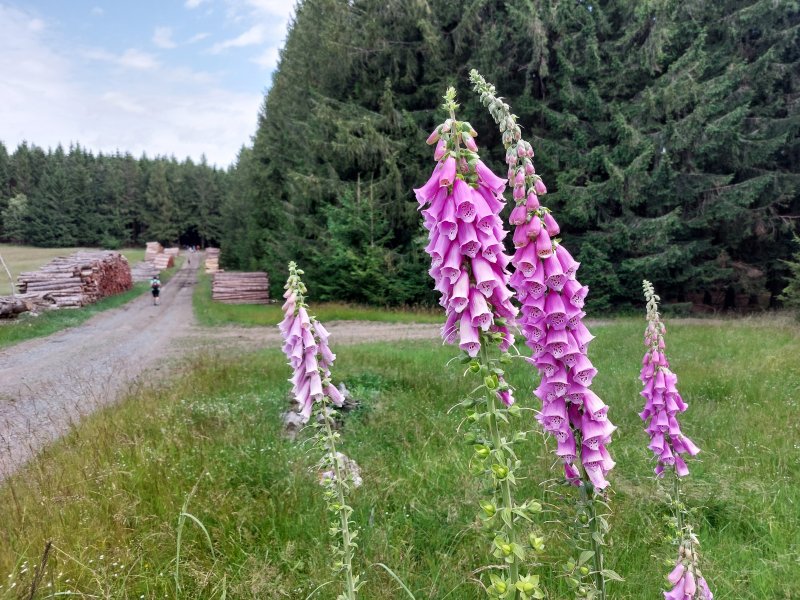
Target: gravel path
<point>48,384</point>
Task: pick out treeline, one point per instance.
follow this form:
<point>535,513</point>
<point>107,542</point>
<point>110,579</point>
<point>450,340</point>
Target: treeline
<point>75,198</point>
<point>666,130</point>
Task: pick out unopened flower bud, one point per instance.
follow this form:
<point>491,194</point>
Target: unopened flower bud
<point>500,471</point>
<point>469,142</point>
<point>434,137</point>
<point>482,451</point>
<point>488,508</point>
<point>441,148</point>
<point>584,570</point>
<point>529,168</point>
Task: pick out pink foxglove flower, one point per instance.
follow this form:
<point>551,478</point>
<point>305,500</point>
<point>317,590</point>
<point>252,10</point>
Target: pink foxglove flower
<point>306,347</point>
<point>551,316</point>
<point>551,320</point>
<point>663,402</point>
<point>686,580</point>
<point>460,204</point>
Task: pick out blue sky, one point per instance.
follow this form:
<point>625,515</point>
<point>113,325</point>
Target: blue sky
<point>181,77</point>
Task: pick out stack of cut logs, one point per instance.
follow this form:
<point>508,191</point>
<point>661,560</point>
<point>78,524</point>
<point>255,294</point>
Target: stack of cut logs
<point>240,288</point>
<point>79,279</point>
<point>143,271</point>
<point>11,306</point>
<point>172,251</point>
<point>152,249</point>
<point>212,260</point>
<point>164,261</point>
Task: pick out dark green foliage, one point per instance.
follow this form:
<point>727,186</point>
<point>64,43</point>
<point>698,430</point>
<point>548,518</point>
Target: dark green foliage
<point>791,293</point>
<point>75,198</point>
<point>666,130</point>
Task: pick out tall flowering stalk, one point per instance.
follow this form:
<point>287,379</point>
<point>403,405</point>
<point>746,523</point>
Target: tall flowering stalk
<point>552,299</point>
<point>306,347</point>
<point>460,204</point>
<point>663,403</point>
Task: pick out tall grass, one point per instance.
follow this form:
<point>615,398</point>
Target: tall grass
<point>110,495</point>
<point>28,326</point>
<point>212,313</point>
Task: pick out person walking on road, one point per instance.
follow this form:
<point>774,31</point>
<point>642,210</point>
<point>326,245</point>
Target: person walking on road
<point>155,289</point>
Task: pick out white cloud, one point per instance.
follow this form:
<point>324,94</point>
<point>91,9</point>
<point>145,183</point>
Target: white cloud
<point>252,37</point>
<point>51,96</point>
<point>197,37</point>
<point>36,25</point>
<point>137,60</point>
<point>130,59</point>
<point>124,102</point>
<point>97,11</point>
<point>192,4</point>
<point>268,59</point>
<point>278,8</point>
<point>162,37</point>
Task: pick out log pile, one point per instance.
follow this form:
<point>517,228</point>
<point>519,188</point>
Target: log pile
<point>212,260</point>
<point>79,279</point>
<point>164,261</point>
<point>231,287</point>
<point>10,306</point>
<point>172,251</point>
<point>152,249</point>
<point>144,271</point>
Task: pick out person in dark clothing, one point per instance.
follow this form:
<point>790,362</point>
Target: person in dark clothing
<point>155,289</point>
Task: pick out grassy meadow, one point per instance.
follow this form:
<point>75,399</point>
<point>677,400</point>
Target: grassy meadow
<point>212,313</point>
<point>109,495</point>
<point>27,326</point>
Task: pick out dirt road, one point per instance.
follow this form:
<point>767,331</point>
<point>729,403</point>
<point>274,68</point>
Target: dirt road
<point>48,384</point>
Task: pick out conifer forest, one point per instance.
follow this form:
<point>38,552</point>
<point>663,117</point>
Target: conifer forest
<point>667,131</point>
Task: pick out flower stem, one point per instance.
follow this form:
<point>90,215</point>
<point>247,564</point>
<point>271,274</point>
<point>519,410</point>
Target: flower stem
<point>678,511</point>
<point>505,485</point>
<point>597,546</point>
<point>600,580</point>
<point>344,509</point>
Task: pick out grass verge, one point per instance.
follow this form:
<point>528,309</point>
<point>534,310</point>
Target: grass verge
<point>212,314</point>
<point>109,495</point>
<point>27,326</point>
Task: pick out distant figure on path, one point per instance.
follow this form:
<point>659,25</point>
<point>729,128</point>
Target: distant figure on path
<point>155,288</point>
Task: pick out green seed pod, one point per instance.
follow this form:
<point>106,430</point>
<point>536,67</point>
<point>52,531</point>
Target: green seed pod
<point>500,471</point>
<point>482,451</point>
<point>489,508</point>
